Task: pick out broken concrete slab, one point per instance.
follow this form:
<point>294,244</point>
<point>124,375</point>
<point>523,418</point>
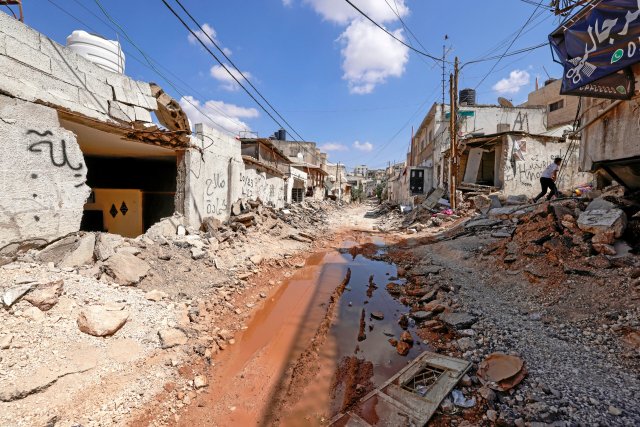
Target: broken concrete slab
<point>482,203</point>
<point>510,212</point>
<point>516,200</point>
<point>600,204</point>
<point>126,269</point>
<point>45,295</point>
<point>58,250</point>
<point>106,244</point>
<point>172,337</point>
<point>482,222</point>
<point>600,220</point>
<point>100,321</point>
<point>458,320</point>
<point>82,254</point>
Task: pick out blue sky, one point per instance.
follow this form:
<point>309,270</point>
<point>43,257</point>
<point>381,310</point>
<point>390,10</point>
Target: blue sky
<point>337,80</point>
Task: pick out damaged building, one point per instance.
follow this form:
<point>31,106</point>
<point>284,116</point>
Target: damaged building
<point>91,149</point>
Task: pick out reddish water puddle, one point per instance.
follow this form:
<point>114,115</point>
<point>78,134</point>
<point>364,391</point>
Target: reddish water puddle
<point>249,374</point>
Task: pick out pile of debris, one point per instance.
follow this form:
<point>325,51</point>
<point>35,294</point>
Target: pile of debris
<point>95,304</point>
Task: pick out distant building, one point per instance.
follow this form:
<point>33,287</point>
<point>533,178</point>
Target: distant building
<point>361,170</point>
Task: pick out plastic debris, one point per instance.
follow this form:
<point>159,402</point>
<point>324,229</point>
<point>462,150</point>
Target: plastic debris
<point>461,401</point>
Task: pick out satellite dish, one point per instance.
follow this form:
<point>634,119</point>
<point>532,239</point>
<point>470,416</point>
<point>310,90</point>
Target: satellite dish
<point>505,102</point>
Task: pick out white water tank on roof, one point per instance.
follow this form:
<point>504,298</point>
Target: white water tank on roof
<point>104,53</point>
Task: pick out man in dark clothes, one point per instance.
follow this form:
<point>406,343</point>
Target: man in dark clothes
<point>548,180</point>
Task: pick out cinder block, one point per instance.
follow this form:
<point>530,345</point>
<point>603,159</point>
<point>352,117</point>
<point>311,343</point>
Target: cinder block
<point>67,73</point>
<point>121,111</point>
<point>124,95</point>
<point>3,44</point>
<point>142,115</point>
<point>14,28</point>
<point>19,50</point>
<point>148,102</point>
<point>100,89</point>
<point>94,102</point>
<point>143,87</point>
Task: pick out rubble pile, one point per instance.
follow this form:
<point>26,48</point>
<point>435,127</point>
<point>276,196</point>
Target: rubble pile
<point>95,304</point>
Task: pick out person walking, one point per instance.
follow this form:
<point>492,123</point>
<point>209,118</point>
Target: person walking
<point>548,180</point>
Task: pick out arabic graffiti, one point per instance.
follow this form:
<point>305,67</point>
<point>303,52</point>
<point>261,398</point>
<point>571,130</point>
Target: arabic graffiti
<point>63,156</point>
<point>214,183</point>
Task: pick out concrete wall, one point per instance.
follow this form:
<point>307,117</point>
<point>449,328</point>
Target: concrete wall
<point>42,174</point>
<point>523,176</point>
<point>216,177</point>
<point>487,118</point>
<point>35,68</point>
<point>550,94</point>
<point>257,184</point>
<point>212,181</point>
<point>615,137</point>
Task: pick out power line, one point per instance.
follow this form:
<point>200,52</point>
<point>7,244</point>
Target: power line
<point>510,44</point>
<point>236,68</point>
<point>232,75</point>
<point>159,65</point>
<point>406,27</point>
<point>438,60</point>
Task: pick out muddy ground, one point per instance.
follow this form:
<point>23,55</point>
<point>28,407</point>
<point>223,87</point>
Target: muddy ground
<point>292,347</point>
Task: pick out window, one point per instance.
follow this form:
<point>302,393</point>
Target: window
<point>556,105</point>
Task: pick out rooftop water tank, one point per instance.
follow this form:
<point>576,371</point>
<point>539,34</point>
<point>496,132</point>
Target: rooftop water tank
<point>468,97</point>
<point>104,53</point>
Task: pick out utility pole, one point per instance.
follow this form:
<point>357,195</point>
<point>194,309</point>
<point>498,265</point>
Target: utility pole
<point>453,133</point>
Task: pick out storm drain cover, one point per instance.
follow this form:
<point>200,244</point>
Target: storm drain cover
<point>113,211</point>
<point>422,382</point>
<point>124,209</point>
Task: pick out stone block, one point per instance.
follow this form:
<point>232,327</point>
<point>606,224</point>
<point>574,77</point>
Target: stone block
<point>14,28</point>
<point>99,88</point>
<point>600,220</point>
<point>147,102</point>
<point>143,87</point>
<point>600,204</point>
<point>520,199</point>
<point>3,44</point>
<point>26,54</point>
<point>142,115</point>
<point>125,96</point>
<point>121,111</point>
<point>65,72</point>
<point>94,102</point>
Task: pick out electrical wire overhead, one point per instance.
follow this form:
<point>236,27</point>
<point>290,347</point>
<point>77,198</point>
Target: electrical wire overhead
<point>510,44</point>
<point>420,52</point>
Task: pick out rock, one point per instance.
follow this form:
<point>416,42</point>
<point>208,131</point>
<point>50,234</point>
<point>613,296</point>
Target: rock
<point>614,411</point>
<point>126,269</point>
<point>482,203</point>
<point>466,344</point>
<point>604,238</point>
<point>166,227</point>
<point>197,253</point>
<point>378,315</point>
<point>458,320</point>
<point>99,321</point>
<point>520,199</point>
<point>465,381</point>
<point>434,307</point>
<point>200,381</point>
<point>5,341</point>
<point>129,250</point>
<point>599,220</point>
<point>33,314</point>
<point>172,337</point>
<point>45,296</point>
<point>604,249</point>
<point>421,315</point>
<point>600,204</point>
<point>403,348</point>
<point>256,259</point>
<point>487,394</point>
<point>482,222</point>
<point>155,295</point>
<point>11,296</point>
<point>492,415</point>
<point>106,244</point>
<point>56,251</point>
<point>211,224</point>
<point>83,253</point>
<point>406,337</point>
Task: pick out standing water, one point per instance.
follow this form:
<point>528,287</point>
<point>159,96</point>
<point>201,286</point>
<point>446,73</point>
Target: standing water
<point>306,353</point>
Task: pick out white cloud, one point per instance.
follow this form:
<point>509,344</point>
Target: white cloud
<point>516,80</point>
<point>226,81</point>
<point>333,146</point>
<point>218,114</point>
<point>370,56</point>
<point>208,31</point>
<point>287,3</point>
<point>340,12</point>
<point>363,146</point>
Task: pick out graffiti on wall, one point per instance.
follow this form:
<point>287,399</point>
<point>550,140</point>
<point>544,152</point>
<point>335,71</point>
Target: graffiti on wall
<point>57,153</point>
<point>215,205</point>
<point>527,172</point>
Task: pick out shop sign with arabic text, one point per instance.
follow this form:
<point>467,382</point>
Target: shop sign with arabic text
<point>600,40</point>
